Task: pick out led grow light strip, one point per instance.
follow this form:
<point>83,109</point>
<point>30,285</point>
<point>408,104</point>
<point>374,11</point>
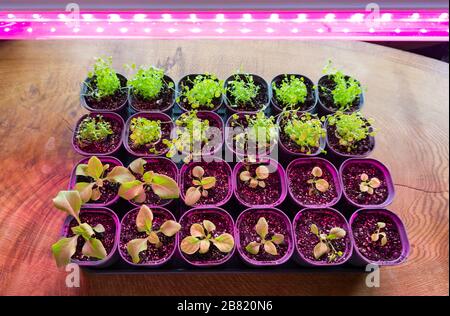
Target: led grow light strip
<point>421,25</point>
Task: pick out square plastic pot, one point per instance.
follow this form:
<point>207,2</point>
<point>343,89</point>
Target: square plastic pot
<point>180,90</point>
<point>167,109</point>
<point>256,79</point>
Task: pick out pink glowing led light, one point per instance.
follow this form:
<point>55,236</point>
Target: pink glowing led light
<point>418,25</point>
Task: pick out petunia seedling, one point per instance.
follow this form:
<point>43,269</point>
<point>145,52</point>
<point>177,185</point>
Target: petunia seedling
<point>305,131</point>
<point>378,233</point>
<point>201,185</point>
<point>269,244</point>
<point>70,202</point>
<point>369,185</point>
<point>106,81</point>
<point>147,82</point>
<point>202,91</point>
<point>96,173</point>
<point>93,129</point>
<point>291,92</point>
<point>201,237</point>
<point>253,181</point>
<point>243,89</point>
<point>317,182</point>
<point>325,245</point>
<point>145,132</point>
<point>144,223</point>
<point>163,186</point>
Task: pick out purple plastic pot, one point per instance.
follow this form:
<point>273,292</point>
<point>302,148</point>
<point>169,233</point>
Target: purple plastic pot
<point>112,255</point>
<point>218,165</point>
<point>124,255</point>
<point>219,217</point>
<point>292,154</point>
<point>342,155</point>
<point>158,161</point>
<point>167,80</point>
<point>164,118</point>
<point>311,104</point>
<point>110,115</point>
<point>241,154</point>
<point>273,167</point>
<point>359,259</point>
<point>323,163</point>
<point>288,237</point>
<point>84,103</point>
<point>105,160</point>
<point>301,259</point>
<point>325,110</point>
<point>180,90</point>
<point>386,175</point>
<point>257,79</point>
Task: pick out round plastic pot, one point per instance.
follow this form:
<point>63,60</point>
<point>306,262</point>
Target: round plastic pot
<point>167,79</point>
<point>85,104</point>
<point>309,82</point>
<point>256,79</point>
<point>292,154</point>
<point>155,161</point>
<point>104,160</point>
<point>243,253</point>
<point>112,256</point>
<point>272,165</point>
<point>164,118</point>
<point>359,260</point>
<point>387,177</point>
<point>207,210</point>
<point>183,189</point>
<point>341,155</point>
<point>241,154</point>
<point>302,260</point>
<point>155,264</point>
<point>180,90</point>
<point>110,115</point>
<point>325,110</point>
<point>330,167</point>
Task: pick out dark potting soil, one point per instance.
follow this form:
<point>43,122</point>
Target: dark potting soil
<point>289,143</point>
<point>248,148</point>
<point>129,232</point>
<point>163,101</point>
<point>277,225</point>
<point>108,190</point>
<point>309,100</point>
<point>362,147</point>
<point>160,166</point>
<point>326,96</point>
<point>351,177</point>
<point>112,102</point>
<point>364,225</point>
<point>217,169</point>
<point>256,104</point>
<point>307,193</point>
<point>187,106</point>
<point>325,220</point>
<point>223,225</point>
<point>93,219</point>
<point>159,147</point>
<point>110,143</point>
<point>259,196</point>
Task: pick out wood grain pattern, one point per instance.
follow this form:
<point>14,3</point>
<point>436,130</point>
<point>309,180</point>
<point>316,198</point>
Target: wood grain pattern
<point>39,85</point>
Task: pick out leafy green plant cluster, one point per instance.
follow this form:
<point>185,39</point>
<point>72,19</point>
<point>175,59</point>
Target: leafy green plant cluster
<point>243,89</point>
<point>144,131</point>
<point>305,130</point>
<point>269,244</point>
<point>205,88</point>
<point>106,81</point>
<point>261,130</point>
<point>351,128</point>
<point>346,89</point>
<point>147,82</point>
<point>200,186</point>
<point>291,92</point>
<point>93,129</point>
<point>325,245</point>
<point>318,184</point>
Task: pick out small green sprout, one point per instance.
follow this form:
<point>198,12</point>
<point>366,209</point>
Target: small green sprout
<point>201,185</point>
<point>306,131</point>
<point>378,233</point>
<point>261,174</point>
<point>317,182</point>
<point>70,202</point>
<point>261,130</point>
<point>369,185</point>
<point>243,89</point>
<point>205,88</point>
<point>351,128</point>
<point>144,131</point>
<point>93,129</point>
<point>291,93</point>
<point>147,82</point>
<point>269,245</point>
<point>144,223</point>
<point>325,245</point>
<point>105,78</point>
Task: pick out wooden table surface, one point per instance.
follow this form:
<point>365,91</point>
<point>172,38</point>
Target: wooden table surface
<point>39,85</point>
